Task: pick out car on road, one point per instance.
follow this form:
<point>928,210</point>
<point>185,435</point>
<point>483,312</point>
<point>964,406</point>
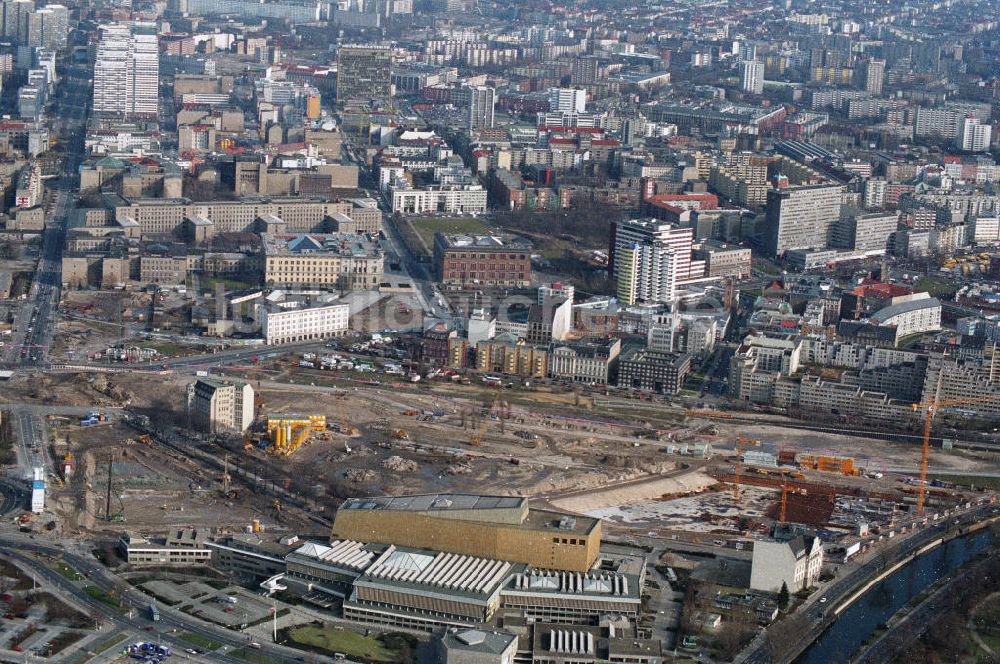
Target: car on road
<point>822,600</point>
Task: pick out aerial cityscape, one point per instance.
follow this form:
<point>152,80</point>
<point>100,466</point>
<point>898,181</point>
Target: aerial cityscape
<point>500,331</point>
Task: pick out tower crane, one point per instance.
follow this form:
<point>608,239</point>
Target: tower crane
<point>930,410</point>
<point>477,436</point>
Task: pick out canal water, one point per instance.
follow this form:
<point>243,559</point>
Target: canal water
<point>843,639</point>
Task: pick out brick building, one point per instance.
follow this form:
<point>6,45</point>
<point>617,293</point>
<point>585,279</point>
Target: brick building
<point>481,260</point>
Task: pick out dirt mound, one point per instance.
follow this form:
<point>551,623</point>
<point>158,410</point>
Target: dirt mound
<point>398,464</point>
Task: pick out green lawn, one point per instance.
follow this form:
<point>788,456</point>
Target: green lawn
<point>426,227</point>
<point>209,283</point>
<point>254,657</point>
<point>968,480</point>
<point>199,641</point>
<point>67,572</point>
<point>936,286</point>
<point>88,653</point>
<point>105,598</point>
<point>337,640</point>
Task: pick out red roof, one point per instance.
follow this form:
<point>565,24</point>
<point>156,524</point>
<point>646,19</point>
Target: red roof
<point>571,130</point>
<point>706,201</point>
<point>881,290</point>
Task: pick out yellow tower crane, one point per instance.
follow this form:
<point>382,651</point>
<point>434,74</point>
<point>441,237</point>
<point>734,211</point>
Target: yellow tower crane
<point>477,436</point>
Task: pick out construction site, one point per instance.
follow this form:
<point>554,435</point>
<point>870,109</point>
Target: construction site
<point>318,438</point>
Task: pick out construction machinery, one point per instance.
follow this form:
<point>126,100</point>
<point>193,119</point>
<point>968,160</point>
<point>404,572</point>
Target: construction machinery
<point>341,425</point>
<point>400,434</point>
<point>741,444</point>
<point>828,464</point>
<point>289,432</point>
<point>930,410</point>
<point>494,411</point>
<point>785,490</point>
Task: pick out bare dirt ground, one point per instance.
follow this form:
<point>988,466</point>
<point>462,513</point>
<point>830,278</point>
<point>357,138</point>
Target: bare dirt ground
<point>410,439</point>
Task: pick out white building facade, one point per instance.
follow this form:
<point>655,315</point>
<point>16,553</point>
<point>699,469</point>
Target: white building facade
<point>796,563</point>
<point>293,325</point>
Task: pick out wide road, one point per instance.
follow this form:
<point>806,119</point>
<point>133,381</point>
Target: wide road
<point>34,322</point>
<point>31,440</point>
<point>12,497</point>
<point>821,614</point>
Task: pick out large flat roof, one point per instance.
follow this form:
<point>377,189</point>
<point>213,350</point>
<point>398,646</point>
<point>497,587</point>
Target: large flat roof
<point>434,501</point>
<point>506,507</point>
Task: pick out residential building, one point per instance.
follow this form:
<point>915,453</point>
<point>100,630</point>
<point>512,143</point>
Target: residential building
<point>482,103</point>
<point>986,230</point>
<point>677,240</point>
<point>653,371</point>
<point>28,192</point>
<point>272,214</point>
<point>482,260</point>
<point>454,198</point>
<point>752,77</point>
<point>724,260</point>
<point>216,406</point>
<point>435,343</point>
<point>127,71</point>
<point>293,11</point>
<point>688,332</point>
<point>648,258</point>
<point>976,134</point>
<point>549,321</point>
<point>364,74</point>
<point>800,217</point>
<point>321,321</point>
<point>48,27</point>
<point>567,100</point>
<point>910,314</point>
<point>510,355</point>
<point>796,563</point>
<point>647,272</point>
<point>868,233</point>
<point>16,15</point>
<point>875,76</point>
<point>937,122</point>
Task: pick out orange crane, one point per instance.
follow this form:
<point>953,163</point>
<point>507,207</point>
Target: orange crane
<point>785,490</point>
<point>930,410</point>
<point>741,444</point>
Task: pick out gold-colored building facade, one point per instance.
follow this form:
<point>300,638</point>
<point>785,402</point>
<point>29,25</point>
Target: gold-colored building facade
<point>541,538</point>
